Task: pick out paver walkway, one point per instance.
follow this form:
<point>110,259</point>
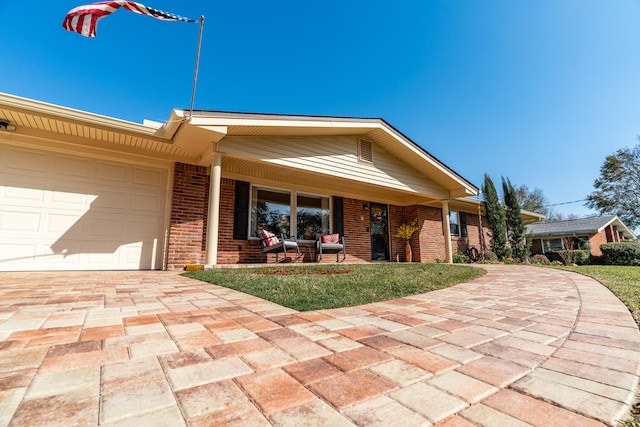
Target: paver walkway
<point>519,346</point>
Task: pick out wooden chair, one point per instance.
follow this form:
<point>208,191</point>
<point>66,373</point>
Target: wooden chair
<point>271,244</point>
<point>331,244</point>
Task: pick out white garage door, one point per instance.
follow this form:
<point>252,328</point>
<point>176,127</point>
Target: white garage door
<point>69,212</point>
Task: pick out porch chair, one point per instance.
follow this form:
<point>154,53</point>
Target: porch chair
<point>331,244</point>
<point>271,244</point>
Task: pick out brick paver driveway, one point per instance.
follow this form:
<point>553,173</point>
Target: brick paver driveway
<point>519,346</point>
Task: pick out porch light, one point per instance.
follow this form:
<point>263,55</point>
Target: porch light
<point>365,206</point>
<point>4,123</point>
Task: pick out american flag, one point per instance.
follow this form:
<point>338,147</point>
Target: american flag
<point>84,19</point>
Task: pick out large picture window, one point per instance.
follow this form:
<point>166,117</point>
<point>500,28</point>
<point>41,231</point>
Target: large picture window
<point>312,216</point>
<point>271,210</point>
<point>282,212</point>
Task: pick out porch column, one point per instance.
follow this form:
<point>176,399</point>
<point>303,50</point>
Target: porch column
<point>448,254</point>
<point>214,209</point>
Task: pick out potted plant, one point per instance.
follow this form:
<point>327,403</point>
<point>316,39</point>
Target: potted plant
<point>404,232</point>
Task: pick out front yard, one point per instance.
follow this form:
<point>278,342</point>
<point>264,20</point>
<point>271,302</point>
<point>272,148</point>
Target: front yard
<point>305,288</point>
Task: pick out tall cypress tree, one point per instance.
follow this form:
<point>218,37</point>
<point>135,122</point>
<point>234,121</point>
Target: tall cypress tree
<point>515,224</point>
<point>495,219</point>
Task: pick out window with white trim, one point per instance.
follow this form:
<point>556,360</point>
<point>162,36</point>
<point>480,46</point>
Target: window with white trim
<point>292,214</point>
<point>312,216</point>
<point>271,210</point>
<point>454,223</point>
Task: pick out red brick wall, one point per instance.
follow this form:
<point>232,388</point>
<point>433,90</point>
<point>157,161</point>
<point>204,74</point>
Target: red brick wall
<point>357,238</point>
<point>231,251</point>
<point>595,241</point>
<point>188,216</point>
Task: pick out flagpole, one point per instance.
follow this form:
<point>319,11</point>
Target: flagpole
<point>195,73</point>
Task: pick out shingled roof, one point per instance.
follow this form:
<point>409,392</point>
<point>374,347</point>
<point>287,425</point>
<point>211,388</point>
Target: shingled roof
<point>590,225</point>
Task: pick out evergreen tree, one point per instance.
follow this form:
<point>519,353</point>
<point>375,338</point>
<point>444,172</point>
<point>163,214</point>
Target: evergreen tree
<point>515,224</point>
<point>495,219</point>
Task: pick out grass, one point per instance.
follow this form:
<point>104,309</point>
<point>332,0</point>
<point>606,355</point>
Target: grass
<point>305,288</point>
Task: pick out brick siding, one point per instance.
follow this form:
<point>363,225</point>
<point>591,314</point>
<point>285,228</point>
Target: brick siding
<point>189,213</point>
<point>188,216</point>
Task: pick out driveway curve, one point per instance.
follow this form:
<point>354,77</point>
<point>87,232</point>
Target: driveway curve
<point>519,346</point>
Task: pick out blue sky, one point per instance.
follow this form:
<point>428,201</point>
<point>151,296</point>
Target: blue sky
<point>539,92</point>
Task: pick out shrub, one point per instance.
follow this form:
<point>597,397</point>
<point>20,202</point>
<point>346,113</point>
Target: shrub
<point>459,258</point>
<point>577,256</point>
<point>539,259</point>
<point>490,256</point>
<point>623,253</point>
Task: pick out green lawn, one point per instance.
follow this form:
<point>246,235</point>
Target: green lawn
<point>621,280</point>
<point>317,287</point>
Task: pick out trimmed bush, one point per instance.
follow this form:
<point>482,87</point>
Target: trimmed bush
<point>580,256</point>
<point>490,256</point>
<point>460,258</point>
<point>539,259</point>
<point>623,253</point>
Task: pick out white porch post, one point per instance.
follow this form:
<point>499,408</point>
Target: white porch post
<point>214,209</point>
<point>448,254</point>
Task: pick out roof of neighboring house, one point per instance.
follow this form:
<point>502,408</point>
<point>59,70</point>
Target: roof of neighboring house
<point>468,204</point>
<point>589,225</point>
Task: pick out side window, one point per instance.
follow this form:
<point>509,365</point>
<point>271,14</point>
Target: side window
<point>454,223</point>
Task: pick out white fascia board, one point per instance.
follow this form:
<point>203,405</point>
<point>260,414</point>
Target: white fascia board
<point>65,113</point>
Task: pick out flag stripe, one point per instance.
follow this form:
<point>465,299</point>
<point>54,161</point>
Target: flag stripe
<point>84,19</point>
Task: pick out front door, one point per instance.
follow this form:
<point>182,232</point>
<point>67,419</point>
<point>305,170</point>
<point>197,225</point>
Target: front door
<point>379,232</point>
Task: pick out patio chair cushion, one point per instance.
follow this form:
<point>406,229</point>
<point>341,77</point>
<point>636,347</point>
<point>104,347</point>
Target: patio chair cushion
<point>269,238</point>
<point>330,238</point>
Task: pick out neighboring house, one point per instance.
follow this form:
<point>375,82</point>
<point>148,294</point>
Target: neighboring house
<point>80,191</point>
<point>578,233</point>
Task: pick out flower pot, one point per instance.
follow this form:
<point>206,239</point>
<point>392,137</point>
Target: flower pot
<point>407,251</point>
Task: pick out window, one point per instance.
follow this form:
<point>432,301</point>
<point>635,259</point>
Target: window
<point>552,245</point>
<point>454,224</point>
<point>271,210</point>
<point>281,212</point>
<point>458,224</point>
<point>312,216</point>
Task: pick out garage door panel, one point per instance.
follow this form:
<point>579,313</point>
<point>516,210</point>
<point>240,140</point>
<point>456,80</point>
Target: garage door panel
<point>146,202</point>
<point>61,212</point>
<point>73,166</point>
<point>19,223</point>
<point>27,161</point>
<point>17,253</point>
<point>112,172</point>
<point>60,224</point>
<point>106,200</point>
<point>141,229</point>
<point>147,177</point>
<point>18,191</point>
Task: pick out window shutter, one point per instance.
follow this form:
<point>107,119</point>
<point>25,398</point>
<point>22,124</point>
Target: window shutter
<point>338,215</point>
<point>463,224</point>
<point>241,211</point>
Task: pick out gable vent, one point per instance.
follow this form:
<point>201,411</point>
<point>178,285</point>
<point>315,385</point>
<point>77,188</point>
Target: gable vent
<point>365,151</point>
